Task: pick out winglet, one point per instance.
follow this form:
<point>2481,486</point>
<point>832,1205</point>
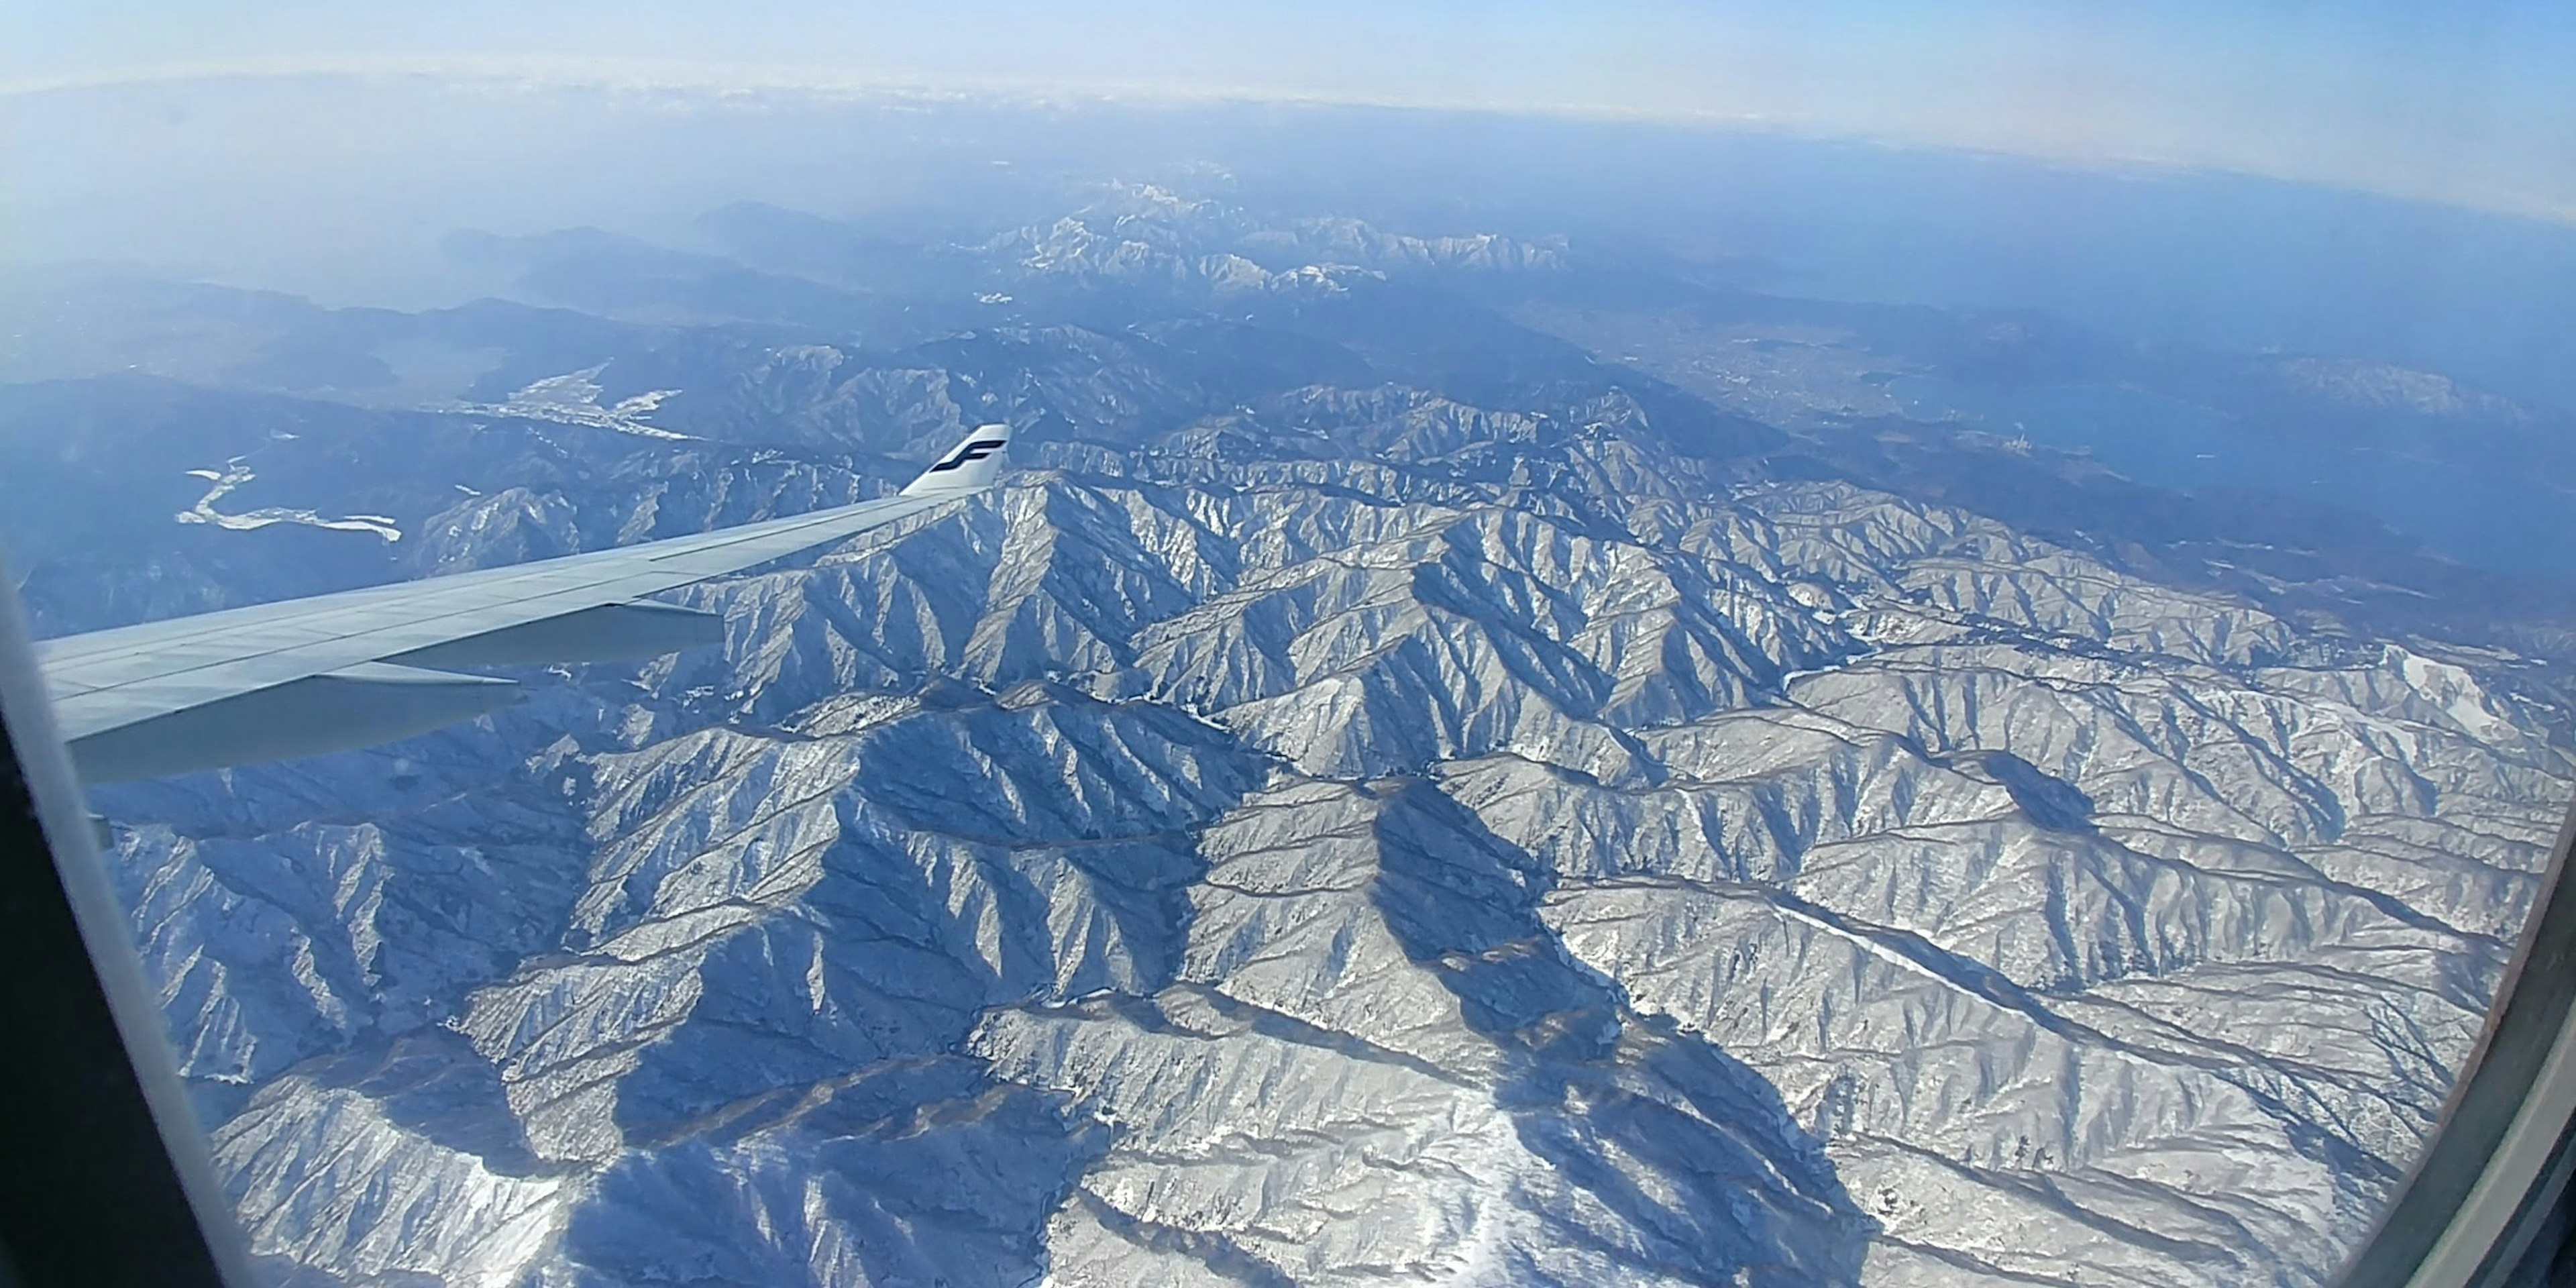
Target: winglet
<point>969,467</point>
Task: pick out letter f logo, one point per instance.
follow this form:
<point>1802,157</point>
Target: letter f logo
<point>974,451</point>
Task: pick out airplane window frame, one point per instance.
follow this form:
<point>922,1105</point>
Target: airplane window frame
<point>105,1175</point>
<point>2475,1208</point>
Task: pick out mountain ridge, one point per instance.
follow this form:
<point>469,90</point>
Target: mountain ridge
<point>1478,826</point>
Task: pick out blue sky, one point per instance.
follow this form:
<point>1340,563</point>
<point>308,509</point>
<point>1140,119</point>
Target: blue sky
<point>2466,102</point>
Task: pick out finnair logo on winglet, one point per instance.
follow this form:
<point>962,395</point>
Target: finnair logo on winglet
<point>974,451</point>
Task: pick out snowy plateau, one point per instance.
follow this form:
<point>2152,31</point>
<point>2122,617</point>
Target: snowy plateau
<point>1341,814</point>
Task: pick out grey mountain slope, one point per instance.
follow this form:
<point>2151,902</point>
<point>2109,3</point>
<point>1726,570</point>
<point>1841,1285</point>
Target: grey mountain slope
<point>1305,833</point>
<point>2017,893</point>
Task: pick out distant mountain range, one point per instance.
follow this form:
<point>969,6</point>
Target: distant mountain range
<point>1466,758</point>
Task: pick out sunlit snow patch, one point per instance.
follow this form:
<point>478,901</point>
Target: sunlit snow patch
<point>234,474</point>
<point>573,399</point>
<point>2455,693</point>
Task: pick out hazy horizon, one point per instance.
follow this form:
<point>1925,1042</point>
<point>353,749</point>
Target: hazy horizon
<point>346,189</point>
<point>2462,104</point>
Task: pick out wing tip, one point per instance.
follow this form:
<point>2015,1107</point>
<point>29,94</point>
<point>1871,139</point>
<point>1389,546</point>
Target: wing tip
<point>970,466</point>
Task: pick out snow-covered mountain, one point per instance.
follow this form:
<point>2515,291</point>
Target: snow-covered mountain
<point>1139,231</point>
<point>1361,818</point>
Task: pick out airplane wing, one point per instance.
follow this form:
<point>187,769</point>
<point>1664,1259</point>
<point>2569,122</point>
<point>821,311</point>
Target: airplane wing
<point>334,672</point>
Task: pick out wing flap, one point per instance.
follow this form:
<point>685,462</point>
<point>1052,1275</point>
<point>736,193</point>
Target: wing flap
<point>356,706</point>
<point>609,633</point>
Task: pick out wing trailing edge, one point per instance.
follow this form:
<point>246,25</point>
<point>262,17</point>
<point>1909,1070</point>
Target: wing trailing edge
<point>356,706</point>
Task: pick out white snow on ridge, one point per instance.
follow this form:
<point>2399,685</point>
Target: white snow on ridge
<point>2455,692</point>
<point>1360,835</point>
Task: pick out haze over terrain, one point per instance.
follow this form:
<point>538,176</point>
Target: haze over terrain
<point>1553,701</point>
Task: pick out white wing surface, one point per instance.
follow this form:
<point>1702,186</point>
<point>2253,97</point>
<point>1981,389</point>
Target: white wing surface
<point>332,672</point>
